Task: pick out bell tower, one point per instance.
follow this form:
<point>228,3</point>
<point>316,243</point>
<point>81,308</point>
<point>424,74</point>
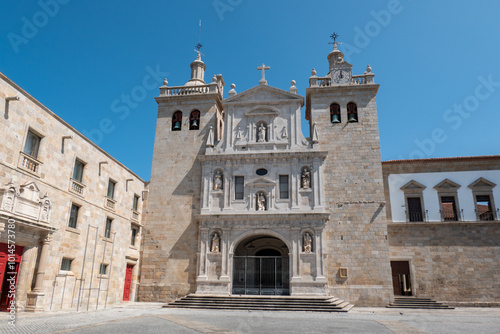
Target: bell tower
<point>342,113</point>
<point>188,117</point>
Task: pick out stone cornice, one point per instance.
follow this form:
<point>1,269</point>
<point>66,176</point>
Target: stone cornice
<point>285,155</point>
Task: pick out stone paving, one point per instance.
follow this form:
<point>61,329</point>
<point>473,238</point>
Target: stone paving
<point>152,318</point>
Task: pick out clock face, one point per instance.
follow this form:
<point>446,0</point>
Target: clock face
<point>341,76</point>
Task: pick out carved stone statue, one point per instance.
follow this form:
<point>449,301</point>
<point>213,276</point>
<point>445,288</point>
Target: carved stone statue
<point>9,201</point>
<point>305,179</point>
<point>215,243</point>
<point>262,134</point>
<point>307,242</point>
<point>218,181</point>
<point>261,202</point>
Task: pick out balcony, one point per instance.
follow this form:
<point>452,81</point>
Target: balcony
<point>29,164</point>
<point>110,204</point>
<point>190,90</point>
<point>364,79</point>
<point>76,187</point>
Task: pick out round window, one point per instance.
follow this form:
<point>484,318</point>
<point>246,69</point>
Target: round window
<point>261,171</point>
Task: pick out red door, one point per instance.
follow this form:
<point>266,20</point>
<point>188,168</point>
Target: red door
<point>128,282</point>
<point>10,260</point>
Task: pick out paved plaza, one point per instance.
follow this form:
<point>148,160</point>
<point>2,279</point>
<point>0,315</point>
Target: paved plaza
<point>147,318</point>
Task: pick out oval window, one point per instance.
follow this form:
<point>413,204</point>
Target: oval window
<point>261,171</point>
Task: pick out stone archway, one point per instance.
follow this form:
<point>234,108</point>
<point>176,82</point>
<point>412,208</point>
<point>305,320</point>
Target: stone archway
<point>261,266</point>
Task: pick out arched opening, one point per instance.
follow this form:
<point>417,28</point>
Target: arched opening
<point>194,120</point>
<point>352,112</point>
<point>335,113</point>
<point>177,121</point>
<point>261,267</point>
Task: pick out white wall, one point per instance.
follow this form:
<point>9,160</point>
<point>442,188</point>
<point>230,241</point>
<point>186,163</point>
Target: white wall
<point>431,200</point>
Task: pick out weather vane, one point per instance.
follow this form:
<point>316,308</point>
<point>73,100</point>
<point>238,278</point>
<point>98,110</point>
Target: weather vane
<point>199,45</point>
<point>334,36</point>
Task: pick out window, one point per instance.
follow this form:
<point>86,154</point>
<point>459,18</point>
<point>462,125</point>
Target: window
<point>177,121</point>
<point>335,113</point>
<point>135,232</point>
<point>447,193</point>
<point>352,112</point>
<point>414,209</point>
<point>66,264</point>
<point>32,144</point>
<point>107,230</point>
<point>78,171</point>
<point>194,120</point>
<point>111,189</point>
<point>238,187</point>
<point>284,187</point>
<point>449,208</point>
<point>414,201</point>
<point>73,215</point>
<point>482,191</point>
<point>103,269</point>
<point>484,208</point>
<point>135,204</point>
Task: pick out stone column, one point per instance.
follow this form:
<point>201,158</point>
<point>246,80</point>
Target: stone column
<point>227,187</point>
<point>318,248</point>
<point>295,261</point>
<point>205,187</point>
<point>35,297</point>
<point>316,184</point>
<point>225,254</point>
<point>203,254</point>
<point>295,181</point>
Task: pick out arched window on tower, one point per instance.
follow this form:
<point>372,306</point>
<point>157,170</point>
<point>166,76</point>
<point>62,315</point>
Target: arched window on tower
<point>352,112</point>
<point>177,121</point>
<point>335,113</point>
<point>194,120</point>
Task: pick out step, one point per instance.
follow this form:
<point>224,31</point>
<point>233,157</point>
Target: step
<point>271,303</point>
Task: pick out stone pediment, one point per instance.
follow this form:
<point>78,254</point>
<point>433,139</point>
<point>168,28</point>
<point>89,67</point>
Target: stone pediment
<point>413,186</point>
<point>447,185</point>
<point>482,184</point>
<point>261,182</point>
<point>264,94</point>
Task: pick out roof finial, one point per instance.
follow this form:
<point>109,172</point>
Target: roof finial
<point>263,68</point>
<point>334,36</point>
<point>199,45</point>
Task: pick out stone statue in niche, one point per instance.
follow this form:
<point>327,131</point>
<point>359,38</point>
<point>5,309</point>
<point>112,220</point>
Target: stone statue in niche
<point>261,202</point>
<point>215,243</point>
<point>261,134</point>
<point>307,243</point>
<point>44,216</point>
<point>218,180</point>
<point>305,181</point>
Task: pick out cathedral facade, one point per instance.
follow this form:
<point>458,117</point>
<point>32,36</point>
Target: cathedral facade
<point>257,208</point>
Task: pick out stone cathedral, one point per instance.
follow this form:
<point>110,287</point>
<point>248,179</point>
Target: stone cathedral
<point>241,203</point>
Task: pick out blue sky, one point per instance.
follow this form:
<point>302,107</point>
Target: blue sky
<point>88,61</point>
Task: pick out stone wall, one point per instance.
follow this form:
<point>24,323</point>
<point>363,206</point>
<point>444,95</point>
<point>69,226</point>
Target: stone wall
<point>452,262</point>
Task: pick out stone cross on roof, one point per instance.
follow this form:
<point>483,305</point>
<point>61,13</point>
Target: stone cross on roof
<point>263,81</point>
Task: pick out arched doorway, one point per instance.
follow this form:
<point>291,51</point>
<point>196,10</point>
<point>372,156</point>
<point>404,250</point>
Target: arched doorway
<point>261,267</point>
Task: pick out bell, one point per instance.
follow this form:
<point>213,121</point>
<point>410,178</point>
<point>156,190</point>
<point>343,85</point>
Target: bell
<point>177,126</point>
<point>352,117</point>
<point>335,118</point>
<point>194,124</point>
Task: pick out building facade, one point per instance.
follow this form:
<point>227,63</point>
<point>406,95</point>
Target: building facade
<point>70,214</point>
<point>241,203</point>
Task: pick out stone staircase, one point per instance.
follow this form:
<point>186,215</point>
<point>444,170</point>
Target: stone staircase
<point>414,302</point>
<point>263,303</point>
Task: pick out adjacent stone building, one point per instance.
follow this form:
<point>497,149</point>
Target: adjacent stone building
<point>70,214</point>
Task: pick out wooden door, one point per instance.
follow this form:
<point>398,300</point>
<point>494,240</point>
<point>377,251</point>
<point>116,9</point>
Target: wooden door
<point>128,282</point>
<point>9,272</point>
<point>401,278</point>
